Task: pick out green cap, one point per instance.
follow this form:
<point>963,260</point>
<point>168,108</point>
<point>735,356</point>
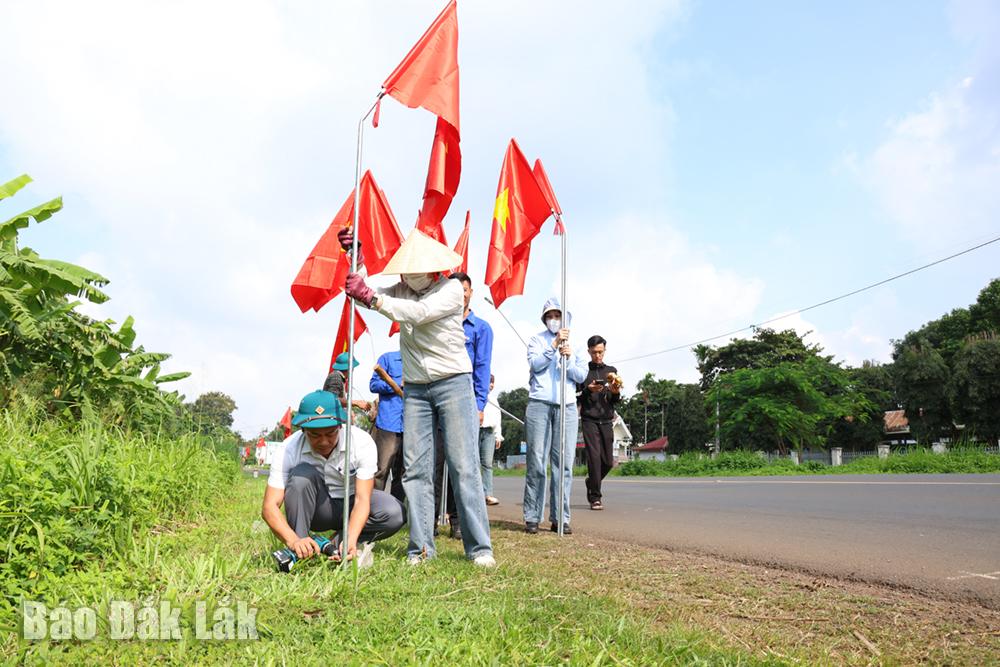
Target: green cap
<point>340,363</point>
<point>320,409</point>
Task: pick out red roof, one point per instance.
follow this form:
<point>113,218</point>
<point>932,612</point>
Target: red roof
<point>896,421</point>
<point>658,445</point>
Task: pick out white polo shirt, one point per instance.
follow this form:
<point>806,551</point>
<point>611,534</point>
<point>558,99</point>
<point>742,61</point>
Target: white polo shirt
<point>296,449</point>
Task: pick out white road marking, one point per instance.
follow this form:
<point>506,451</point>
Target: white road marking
<point>992,576</point>
<point>750,480</point>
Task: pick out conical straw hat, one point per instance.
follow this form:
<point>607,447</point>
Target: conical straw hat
<point>422,254</point>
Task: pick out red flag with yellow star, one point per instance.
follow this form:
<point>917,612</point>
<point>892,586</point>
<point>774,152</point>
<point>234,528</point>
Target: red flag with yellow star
<point>550,195</point>
<point>322,275</point>
<point>340,344</point>
<point>462,247</point>
<point>428,75</point>
<point>518,213</point>
<point>443,174</point>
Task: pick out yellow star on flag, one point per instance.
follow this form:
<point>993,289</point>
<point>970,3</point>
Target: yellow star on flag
<point>501,210</point>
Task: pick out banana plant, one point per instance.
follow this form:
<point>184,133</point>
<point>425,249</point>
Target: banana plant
<point>76,363</point>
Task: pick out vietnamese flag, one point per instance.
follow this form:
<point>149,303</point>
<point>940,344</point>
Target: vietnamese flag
<point>550,195</point>
<point>340,344</point>
<point>378,232</point>
<point>286,422</point>
<point>443,174</point>
<point>322,276</point>
<point>323,273</point>
<point>428,75</point>
<point>462,247</point>
<point>518,213</point>
<point>393,329</point>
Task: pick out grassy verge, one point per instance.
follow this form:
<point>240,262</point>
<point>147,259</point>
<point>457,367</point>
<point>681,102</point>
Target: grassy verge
<point>76,502</point>
<point>443,612</point>
<point>575,601</point>
<point>749,463</point>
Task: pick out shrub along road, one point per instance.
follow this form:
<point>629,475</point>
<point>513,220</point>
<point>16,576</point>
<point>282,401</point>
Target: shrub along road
<point>937,534</point>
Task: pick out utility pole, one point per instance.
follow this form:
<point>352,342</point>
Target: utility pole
<point>645,421</point>
<point>716,425</point>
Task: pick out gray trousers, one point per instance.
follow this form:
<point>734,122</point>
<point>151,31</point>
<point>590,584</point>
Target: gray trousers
<point>309,507</point>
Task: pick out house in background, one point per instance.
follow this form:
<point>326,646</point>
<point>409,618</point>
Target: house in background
<point>623,439</point>
<point>652,451</point>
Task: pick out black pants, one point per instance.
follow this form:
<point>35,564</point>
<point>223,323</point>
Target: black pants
<point>600,442</point>
<point>439,478</point>
<point>309,507</point>
<point>390,460</point>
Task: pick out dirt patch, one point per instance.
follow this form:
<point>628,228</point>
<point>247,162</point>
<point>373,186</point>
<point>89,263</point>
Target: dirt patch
<point>769,612</point>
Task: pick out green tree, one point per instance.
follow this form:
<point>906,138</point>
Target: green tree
<point>875,383</point>
<point>974,389</point>
<point>666,407</point>
<point>515,402</point>
<point>945,334</point>
<point>984,314</point>
<point>213,412</point>
<point>75,364</point>
<point>787,406</point>
<point>921,376</point>
<point>766,349</point>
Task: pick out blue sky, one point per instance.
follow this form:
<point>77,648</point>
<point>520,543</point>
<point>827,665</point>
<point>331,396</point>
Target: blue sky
<point>719,164</point>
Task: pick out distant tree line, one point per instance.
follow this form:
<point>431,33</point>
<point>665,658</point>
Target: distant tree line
<point>774,391</point>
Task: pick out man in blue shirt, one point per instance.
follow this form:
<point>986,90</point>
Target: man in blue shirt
<point>541,417</point>
<point>389,421</point>
<point>479,345</point>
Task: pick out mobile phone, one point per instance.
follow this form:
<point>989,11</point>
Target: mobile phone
<point>600,381</point>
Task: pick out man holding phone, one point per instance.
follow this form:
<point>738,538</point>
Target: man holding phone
<point>598,394</point>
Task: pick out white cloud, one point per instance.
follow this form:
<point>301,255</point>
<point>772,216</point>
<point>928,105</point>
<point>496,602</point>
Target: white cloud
<point>936,173</point>
<point>211,143</point>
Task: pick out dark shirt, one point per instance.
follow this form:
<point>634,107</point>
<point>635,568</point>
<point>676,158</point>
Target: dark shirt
<point>597,406</point>
<point>479,345</point>
<point>390,405</point>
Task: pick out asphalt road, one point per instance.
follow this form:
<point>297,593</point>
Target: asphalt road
<point>933,533</point>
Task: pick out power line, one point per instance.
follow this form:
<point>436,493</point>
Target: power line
<point>815,305</point>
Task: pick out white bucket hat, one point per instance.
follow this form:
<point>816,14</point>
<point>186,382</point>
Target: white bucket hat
<point>422,254</point>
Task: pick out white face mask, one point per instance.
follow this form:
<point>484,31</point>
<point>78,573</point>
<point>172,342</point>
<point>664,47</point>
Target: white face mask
<point>554,325</point>
<point>417,282</point>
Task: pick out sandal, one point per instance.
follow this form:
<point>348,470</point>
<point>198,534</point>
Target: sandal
<point>596,505</point>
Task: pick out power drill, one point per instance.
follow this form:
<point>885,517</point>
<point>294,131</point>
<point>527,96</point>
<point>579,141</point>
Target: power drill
<point>286,558</point>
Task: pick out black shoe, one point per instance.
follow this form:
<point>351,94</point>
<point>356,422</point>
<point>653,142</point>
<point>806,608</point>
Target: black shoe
<point>530,527</point>
<point>456,531</point>
<point>566,529</point>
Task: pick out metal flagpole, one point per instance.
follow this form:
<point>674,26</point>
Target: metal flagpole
<point>350,332</point>
<point>444,494</point>
<point>562,383</point>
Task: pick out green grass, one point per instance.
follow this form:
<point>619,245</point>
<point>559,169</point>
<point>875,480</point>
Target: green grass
<point>76,498</point>
<point>445,611</point>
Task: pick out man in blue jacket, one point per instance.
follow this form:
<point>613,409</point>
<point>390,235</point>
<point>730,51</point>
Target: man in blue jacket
<point>389,421</point>
<point>541,417</point>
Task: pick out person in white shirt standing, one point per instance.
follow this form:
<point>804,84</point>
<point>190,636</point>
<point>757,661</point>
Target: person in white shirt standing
<point>307,477</point>
<point>437,391</point>
<point>490,439</point>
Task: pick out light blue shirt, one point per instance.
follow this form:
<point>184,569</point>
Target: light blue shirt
<point>543,361</point>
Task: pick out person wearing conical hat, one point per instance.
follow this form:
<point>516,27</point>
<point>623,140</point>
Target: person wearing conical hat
<point>437,393</point>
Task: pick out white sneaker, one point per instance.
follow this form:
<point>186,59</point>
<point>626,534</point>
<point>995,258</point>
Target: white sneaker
<point>486,560</point>
<point>414,560</point>
<point>365,556</point>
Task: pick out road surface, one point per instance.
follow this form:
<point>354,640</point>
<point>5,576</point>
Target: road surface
<point>933,533</point>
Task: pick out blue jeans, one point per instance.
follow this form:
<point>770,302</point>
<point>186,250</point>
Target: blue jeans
<point>451,404</point>
<point>487,445</point>
<point>541,425</point>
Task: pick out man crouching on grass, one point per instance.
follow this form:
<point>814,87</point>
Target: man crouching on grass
<point>308,478</point>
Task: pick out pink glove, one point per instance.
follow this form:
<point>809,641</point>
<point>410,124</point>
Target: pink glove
<point>358,290</point>
<point>346,238</point>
